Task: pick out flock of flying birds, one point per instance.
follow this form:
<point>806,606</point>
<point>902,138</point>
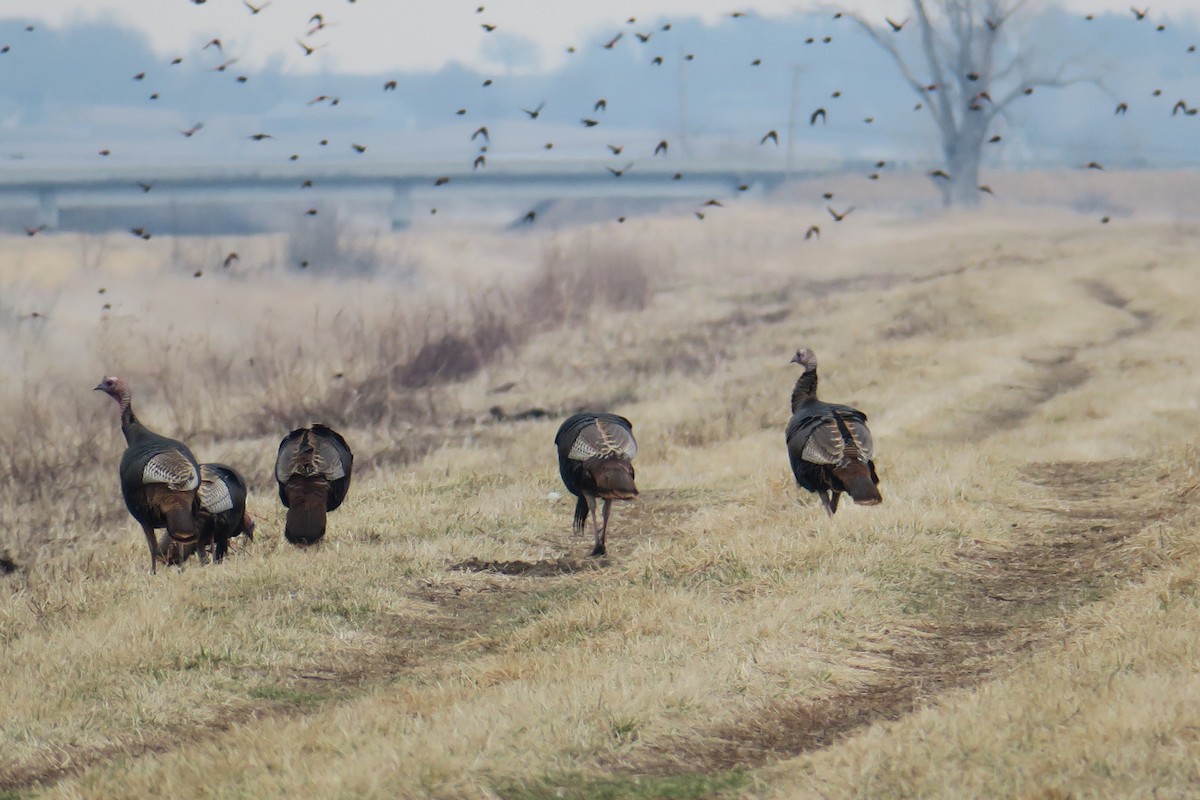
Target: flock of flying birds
<point>592,116</point>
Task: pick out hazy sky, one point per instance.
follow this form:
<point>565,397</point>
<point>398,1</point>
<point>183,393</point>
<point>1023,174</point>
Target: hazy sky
<point>369,36</point>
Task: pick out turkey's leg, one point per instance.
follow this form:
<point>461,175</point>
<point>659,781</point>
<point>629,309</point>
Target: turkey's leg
<point>601,540</point>
<point>833,506</point>
<point>153,544</point>
<point>829,507</point>
<point>595,524</point>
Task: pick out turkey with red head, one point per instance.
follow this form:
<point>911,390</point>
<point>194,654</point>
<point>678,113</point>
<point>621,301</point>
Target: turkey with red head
<point>829,445</point>
<point>595,455</point>
<point>159,477</point>
<point>313,471</point>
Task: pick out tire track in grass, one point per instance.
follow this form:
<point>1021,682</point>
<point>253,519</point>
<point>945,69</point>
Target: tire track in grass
<point>1004,602</point>
<point>502,598</point>
<point>410,643</point>
<point>1003,598</point>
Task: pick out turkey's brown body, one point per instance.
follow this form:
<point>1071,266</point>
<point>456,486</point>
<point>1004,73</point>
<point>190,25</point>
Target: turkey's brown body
<point>313,472</point>
<point>829,445</point>
<point>307,505</point>
<point>595,455</point>
<point>159,477</point>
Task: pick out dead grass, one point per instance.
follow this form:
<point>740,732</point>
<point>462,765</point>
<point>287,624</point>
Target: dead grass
<point>1015,619</point>
<point>387,367</point>
<point>992,602</point>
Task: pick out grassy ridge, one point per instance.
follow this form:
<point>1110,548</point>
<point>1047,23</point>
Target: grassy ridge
<point>1012,620</point>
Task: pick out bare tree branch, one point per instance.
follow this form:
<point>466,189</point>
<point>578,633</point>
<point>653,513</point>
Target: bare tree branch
<point>881,38</point>
<point>964,33</point>
<point>944,111</point>
<point>1054,82</point>
<point>1002,17</point>
<point>1017,62</point>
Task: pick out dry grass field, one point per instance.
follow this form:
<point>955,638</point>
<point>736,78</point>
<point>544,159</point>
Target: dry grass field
<point>1018,619</point>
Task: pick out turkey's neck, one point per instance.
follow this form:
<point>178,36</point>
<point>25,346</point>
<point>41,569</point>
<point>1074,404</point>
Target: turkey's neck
<point>805,389</point>
<point>129,422</point>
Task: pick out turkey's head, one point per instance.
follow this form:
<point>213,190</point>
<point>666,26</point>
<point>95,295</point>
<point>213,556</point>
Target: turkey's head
<point>805,358</point>
<point>114,387</point>
<point>248,526</point>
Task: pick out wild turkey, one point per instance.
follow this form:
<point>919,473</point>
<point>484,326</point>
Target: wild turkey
<point>829,445</point>
<point>222,515</point>
<point>595,454</point>
<point>159,477</point>
<point>313,472</point>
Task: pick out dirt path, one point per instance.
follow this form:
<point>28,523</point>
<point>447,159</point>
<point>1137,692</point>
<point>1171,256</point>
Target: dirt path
<point>455,615</point>
<point>499,599</point>
<point>1004,602</point>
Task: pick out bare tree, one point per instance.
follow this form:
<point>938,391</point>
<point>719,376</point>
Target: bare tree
<point>974,67</point>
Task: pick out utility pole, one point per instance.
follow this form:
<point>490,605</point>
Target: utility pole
<point>794,107</point>
<point>683,141</point>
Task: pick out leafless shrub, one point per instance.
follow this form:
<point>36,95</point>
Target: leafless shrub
<point>324,245</point>
<point>571,282</point>
<point>50,467</point>
<point>455,349</point>
<point>419,353</point>
<point>42,443</point>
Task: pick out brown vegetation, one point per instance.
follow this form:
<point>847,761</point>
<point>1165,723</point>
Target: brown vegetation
<point>388,365</point>
<point>1017,618</point>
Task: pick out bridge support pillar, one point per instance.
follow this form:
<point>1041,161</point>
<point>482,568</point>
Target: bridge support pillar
<point>401,210</point>
<point>47,213</point>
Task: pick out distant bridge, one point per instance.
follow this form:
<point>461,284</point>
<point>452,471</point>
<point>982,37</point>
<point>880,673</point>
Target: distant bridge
<point>47,192</point>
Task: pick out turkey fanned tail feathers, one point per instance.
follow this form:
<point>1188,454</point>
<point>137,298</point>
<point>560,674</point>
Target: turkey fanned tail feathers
<point>313,471</point>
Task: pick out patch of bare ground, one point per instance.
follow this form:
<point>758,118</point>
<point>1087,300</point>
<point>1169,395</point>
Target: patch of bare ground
<point>1083,545</point>
<point>543,568</point>
<point>995,604</point>
<point>1046,377</point>
<point>1111,297</point>
<point>65,762</point>
<point>1049,372</point>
